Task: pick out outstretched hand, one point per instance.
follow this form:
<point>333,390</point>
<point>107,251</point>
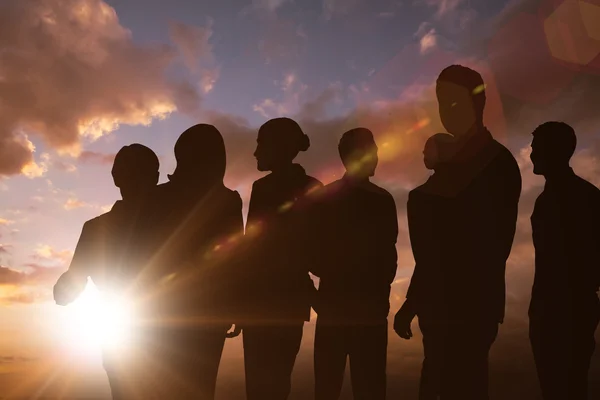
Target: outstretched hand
<point>237,329</point>
<point>402,322</point>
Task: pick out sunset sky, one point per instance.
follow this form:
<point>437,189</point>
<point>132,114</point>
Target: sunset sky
<point>81,78</point>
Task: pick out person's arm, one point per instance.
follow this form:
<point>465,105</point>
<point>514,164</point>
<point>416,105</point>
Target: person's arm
<point>391,255</point>
<point>72,283</point>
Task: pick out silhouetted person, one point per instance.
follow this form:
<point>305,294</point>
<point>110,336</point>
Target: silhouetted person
<point>108,250</point>
<point>564,308</point>
<point>198,220</point>
<point>279,289</point>
<point>459,295</point>
<point>358,232</point>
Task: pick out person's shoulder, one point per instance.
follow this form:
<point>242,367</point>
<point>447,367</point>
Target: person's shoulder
<point>232,196</point>
<point>587,188</point>
<point>378,191</point>
<point>263,182</point>
<point>313,182</point>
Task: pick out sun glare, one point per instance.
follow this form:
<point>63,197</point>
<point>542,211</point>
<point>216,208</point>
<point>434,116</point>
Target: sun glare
<point>97,320</point>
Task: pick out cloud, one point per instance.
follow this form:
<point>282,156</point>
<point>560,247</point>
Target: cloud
<point>281,40</point>
<point>97,158</point>
<point>269,5</point>
<point>4,222</point>
<point>73,203</point>
<point>292,93</point>
<point>428,41</point>
<point>443,7</point>
<point>69,70</point>
<point>48,254</point>
<point>193,44</point>
<point>333,8</point>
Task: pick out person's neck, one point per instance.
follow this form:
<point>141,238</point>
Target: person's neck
<point>476,130</point>
<point>357,178</point>
<point>283,168</point>
<point>558,174</point>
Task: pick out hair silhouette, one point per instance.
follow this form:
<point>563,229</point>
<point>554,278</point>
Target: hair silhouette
<point>358,152</point>
<point>438,150</point>
<point>461,99</point>
<point>135,170</point>
<point>553,146</point>
<point>279,142</point>
<point>201,156</point>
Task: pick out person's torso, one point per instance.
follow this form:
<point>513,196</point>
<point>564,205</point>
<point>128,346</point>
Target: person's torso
<point>278,277</point>
<point>567,255</point>
<point>360,251</point>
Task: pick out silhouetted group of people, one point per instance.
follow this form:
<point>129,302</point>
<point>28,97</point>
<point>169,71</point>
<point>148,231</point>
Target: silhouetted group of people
<point>196,275</point>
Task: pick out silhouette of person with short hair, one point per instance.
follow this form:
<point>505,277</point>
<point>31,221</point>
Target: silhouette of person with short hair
<point>197,222</point>
<point>107,248</point>
<point>358,232</point>
<point>564,309</point>
<point>279,291</point>
<point>459,294</point>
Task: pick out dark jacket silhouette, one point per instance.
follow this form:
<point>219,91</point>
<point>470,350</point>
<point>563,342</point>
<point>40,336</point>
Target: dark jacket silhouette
<point>279,291</point>
<point>564,308</point>
<point>478,213</point>
<point>111,253</point>
<point>196,222</point>
<point>358,229</point>
<point>462,225</point>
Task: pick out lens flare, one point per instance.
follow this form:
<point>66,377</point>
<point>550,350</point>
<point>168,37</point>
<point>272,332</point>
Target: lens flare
<point>99,320</point>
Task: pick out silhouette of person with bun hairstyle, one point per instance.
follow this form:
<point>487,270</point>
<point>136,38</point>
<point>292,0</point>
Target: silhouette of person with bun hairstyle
<point>198,220</point>
<point>564,309</point>
<point>358,229</point>
<point>279,291</point>
<point>461,247</point>
<point>108,248</point>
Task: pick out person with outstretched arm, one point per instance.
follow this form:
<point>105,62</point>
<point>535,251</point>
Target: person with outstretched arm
<point>109,251</point>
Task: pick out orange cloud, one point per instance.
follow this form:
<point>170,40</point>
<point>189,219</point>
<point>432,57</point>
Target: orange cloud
<point>52,47</point>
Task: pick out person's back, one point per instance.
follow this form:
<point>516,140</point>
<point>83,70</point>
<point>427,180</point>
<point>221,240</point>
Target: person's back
<point>565,225</point>
<point>281,286</point>
<point>360,264</point>
<point>196,230</point>
<point>486,222</point>
<point>358,260</point>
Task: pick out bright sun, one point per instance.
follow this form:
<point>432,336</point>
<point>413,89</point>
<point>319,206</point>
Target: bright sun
<point>96,320</point>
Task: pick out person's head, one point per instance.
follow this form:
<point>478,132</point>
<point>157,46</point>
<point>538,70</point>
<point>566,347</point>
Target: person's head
<point>200,154</point>
<point>135,170</point>
<point>461,99</point>
<point>552,147</point>
<point>279,142</point>
<point>439,149</point>
<point>358,152</point>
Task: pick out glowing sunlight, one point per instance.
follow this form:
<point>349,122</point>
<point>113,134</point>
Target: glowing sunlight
<point>98,320</point>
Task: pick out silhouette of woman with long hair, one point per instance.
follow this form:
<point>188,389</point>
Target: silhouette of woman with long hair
<point>279,290</point>
<point>198,219</point>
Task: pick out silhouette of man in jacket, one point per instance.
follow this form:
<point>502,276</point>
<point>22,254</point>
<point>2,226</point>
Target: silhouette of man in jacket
<point>564,309</point>
<point>478,212</point>
<point>358,235</point>
<point>108,250</point>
